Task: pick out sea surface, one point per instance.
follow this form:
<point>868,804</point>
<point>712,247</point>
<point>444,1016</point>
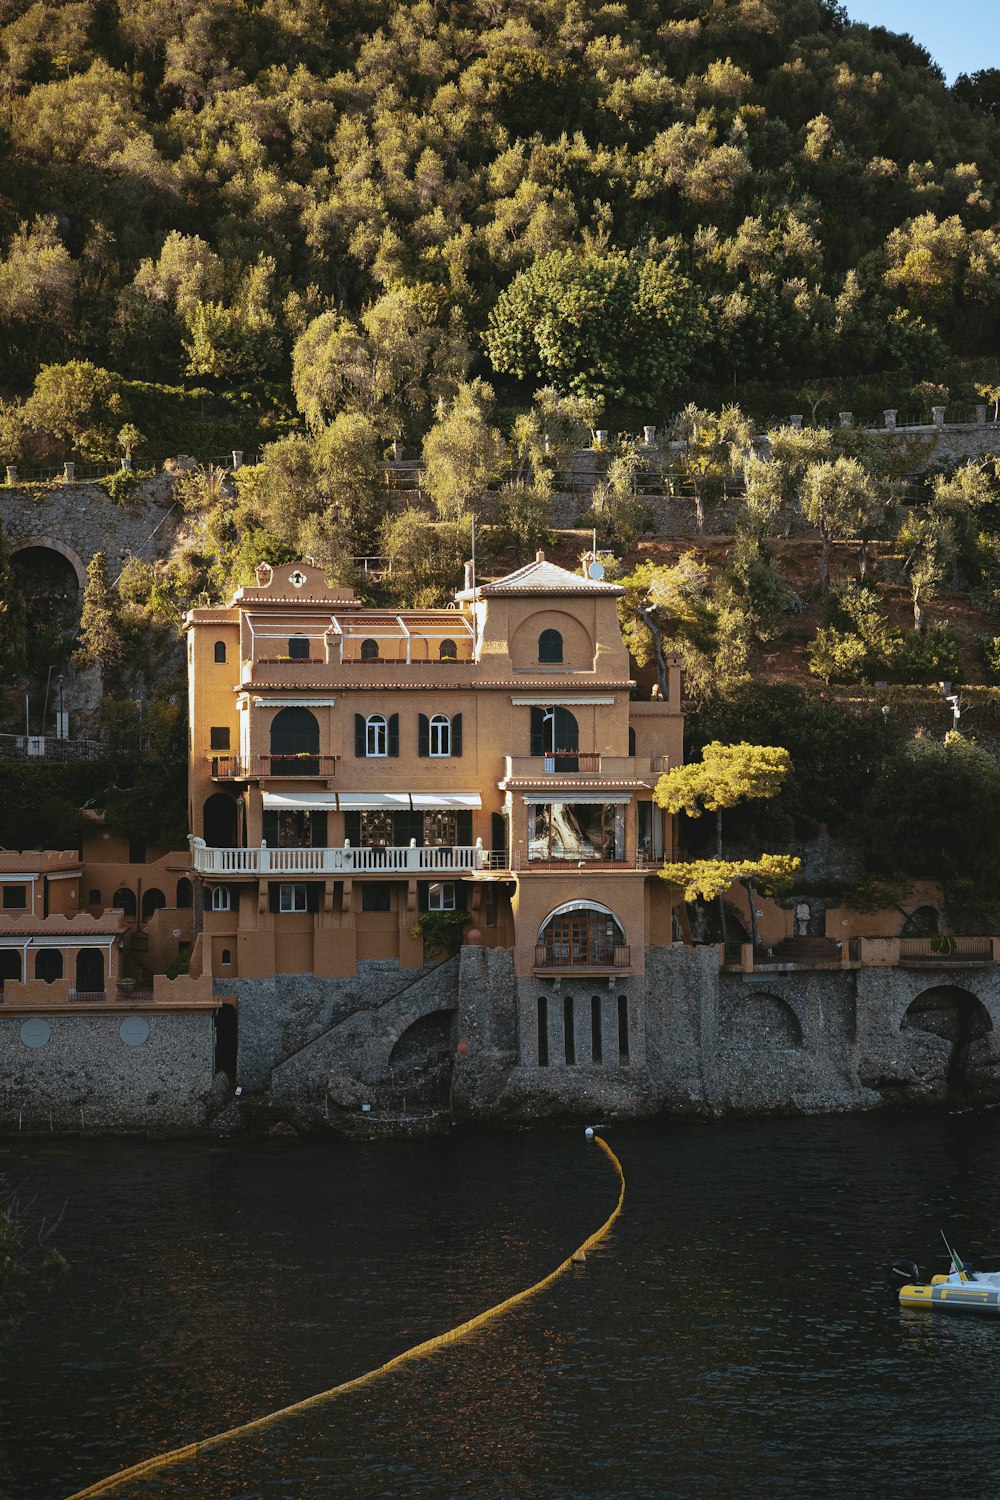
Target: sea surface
<point>734,1336</point>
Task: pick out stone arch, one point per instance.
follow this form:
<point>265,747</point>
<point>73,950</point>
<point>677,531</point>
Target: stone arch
<point>420,1062</point>
<point>581,932</point>
<point>923,921</point>
<point>152,900</point>
<point>956,1017</point>
<point>53,544</point>
<point>762,1022</point>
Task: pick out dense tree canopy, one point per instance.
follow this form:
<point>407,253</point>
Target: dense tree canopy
<point>193,190</point>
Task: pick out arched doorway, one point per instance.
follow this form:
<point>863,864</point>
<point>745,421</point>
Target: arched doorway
<point>123,900</point>
<point>48,964</point>
<point>761,1022</point>
<point>959,1018</point>
<point>152,901</point>
<point>90,971</point>
<point>185,894</point>
<point>583,933</point>
<point>220,821</point>
<point>294,743</point>
<point>226,1040</point>
<point>10,964</point>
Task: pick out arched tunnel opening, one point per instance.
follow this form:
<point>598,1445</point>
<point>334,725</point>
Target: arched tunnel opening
<point>960,1019</point>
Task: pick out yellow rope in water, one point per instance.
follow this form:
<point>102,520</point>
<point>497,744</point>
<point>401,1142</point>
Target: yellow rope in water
<point>192,1450</point>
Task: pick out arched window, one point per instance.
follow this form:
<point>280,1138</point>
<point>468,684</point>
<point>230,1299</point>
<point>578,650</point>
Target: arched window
<point>631,740</point>
<point>582,933</point>
<point>124,900</point>
<point>554,731</point>
<point>221,899</point>
<point>294,743</point>
<point>376,735</point>
<point>185,894</point>
<point>369,650</point>
<point>298,648</point>
<point>550,646</point>
<point>48,964</point>
<point>447,651</point>
<point>152,900</point>
<point>225,957</point>
<point>440,735</point>
<point>220,650</point>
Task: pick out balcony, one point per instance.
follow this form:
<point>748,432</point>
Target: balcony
<point>583,958</point>
<point>427,859</point>
<point>624,771</point>
<point>297,767</point>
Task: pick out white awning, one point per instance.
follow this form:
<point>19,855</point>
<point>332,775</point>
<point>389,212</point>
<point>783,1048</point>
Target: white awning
<point>300,801</point>
<point>558,700</point>
<point>294,702</point>
<point>570,794</point>
<point>370,801</point>
<point>459,800</point>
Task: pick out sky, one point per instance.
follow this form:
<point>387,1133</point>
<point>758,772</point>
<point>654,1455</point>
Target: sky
<point>962,36</point>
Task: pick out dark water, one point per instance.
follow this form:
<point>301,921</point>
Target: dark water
<point>733,1338</point>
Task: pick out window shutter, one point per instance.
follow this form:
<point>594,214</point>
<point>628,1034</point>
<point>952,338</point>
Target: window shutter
<point>393,736</point>
<point>537,731</point>
<point>359,736</point>
<point>423,735</point>
<point>463,827</point>
<point>456,735</point>
<point>352,828</point>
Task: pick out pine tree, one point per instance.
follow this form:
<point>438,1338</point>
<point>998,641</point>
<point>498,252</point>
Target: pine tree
<point>102,642</point>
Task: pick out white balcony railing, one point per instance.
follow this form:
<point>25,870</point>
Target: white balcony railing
<point>349,860</point>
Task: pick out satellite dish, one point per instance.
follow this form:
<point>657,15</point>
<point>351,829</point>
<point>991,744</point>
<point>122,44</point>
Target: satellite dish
<point>595,570</point>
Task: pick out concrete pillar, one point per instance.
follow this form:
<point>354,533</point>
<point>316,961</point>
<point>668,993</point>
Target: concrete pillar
<point>937,414</point>
<point>846,418</point>
<point>237,458</point>
<point>981,415</point>
<point>69,469</point>
<point>796,421</point>
<point>601,437</point>
<point>126,464</point>
<point>649,437</point>
<point>12,471</point>
<point>890,418</point>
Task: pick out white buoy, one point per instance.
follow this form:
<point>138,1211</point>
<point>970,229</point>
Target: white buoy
<point>589,1132</point>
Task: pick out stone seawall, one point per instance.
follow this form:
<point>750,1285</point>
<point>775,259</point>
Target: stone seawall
<point>107,1072</point>
<point>467,1040</point>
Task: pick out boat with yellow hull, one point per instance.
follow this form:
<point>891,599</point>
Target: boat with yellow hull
<point>980,1293</point>
<point>961,1290</point>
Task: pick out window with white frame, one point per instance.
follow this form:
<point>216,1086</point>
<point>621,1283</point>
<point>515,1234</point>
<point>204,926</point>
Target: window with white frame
<point>221,898</point>
<point>440,735</point>
<point>292,898</point>
<point>441,896</point>
<point>376,735</point>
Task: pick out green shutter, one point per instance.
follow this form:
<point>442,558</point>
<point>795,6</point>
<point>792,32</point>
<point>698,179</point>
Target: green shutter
<point>456,735</point>
<point>393,736</point>
<point>359,736</point>
<point>423,735</point>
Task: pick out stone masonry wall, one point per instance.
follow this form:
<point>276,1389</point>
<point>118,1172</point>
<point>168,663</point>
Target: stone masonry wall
<point>85,1077</point>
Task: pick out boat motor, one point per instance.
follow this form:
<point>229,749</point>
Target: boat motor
<point>901,1273</point>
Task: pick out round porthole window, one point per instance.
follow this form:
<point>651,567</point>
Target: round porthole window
<point>35,1032</point>
<point>133,1031</point>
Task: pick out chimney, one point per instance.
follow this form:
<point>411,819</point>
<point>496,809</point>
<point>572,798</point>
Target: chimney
<point>468,575</point>
<point>539,555</point>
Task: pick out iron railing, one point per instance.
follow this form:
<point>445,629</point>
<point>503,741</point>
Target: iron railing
<point>945,949</point>
<point>593,954</point>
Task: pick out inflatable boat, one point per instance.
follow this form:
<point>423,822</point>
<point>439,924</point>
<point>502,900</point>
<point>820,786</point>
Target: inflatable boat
<point>961,1289</point>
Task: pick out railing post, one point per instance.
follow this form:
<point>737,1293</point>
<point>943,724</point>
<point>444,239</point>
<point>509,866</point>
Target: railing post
<point>265,860</point>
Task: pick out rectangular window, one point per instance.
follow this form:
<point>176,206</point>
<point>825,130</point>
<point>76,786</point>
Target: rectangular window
<point>15,897</point>
<point>576,830</point>
<point>137,851</point>
<point>298,648</point>
<point>441,829</point>
<point>376,829</point>
<point>441,896</point>
<point>219,737</point>
<point>376,896</point>
<point>292,898</point>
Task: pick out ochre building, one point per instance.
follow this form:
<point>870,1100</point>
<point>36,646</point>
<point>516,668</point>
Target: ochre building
<point>364,781</point>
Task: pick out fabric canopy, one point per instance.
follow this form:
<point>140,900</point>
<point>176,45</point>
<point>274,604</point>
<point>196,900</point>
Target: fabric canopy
<point>300,801</point>
<point>370,801</point>
<point>427,800</point>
